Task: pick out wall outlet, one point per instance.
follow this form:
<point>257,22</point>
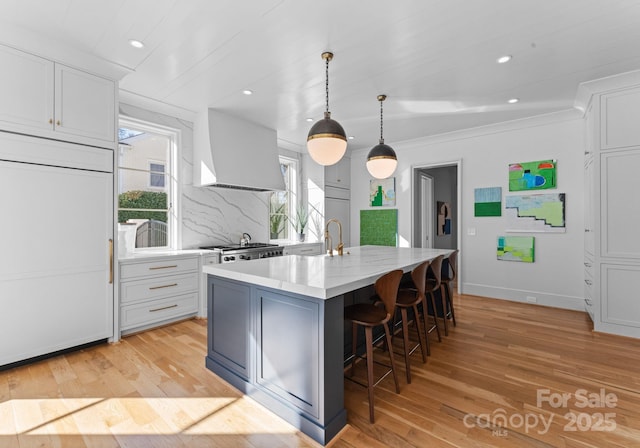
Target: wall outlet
<point>531,299</point>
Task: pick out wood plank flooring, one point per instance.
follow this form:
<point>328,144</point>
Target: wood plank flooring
<point>479,388</point>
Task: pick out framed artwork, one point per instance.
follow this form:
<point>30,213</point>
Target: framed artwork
<point>516,248</point>
<point>444,218</point>
<point>382,192</point>
<point>535,213</point>
<point>379,227</point>
<point>487,201</point>
<point>540,175</point>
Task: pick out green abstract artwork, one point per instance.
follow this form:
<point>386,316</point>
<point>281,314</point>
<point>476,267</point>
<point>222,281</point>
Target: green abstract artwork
<point>540,175</point>
<point>516,248</point>
<point>379,227</point>
<point>487,201</point>
<point>535,213</point>
<point>382,192</point>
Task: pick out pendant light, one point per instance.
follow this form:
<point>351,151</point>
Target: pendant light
<point>382,160</point>
<point>327,141</point>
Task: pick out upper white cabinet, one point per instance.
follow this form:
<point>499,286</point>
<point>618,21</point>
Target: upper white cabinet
<point>620,111</point>
<point>84,104</point>
<point>339,174</point>
<point>51,100</point>
<point>26,89</point>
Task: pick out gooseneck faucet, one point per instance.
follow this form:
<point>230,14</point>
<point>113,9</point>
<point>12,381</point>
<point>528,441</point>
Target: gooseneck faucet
<point>327,238</point>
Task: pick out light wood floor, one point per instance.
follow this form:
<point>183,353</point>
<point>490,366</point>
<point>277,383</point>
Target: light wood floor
<point>152,390</point>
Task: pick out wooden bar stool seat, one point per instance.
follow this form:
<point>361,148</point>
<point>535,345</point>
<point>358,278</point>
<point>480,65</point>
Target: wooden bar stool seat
<point>410,298</point>
<point>369,315</point>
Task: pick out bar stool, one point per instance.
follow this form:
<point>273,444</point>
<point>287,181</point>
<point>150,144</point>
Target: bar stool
<point>410,298</point>
<point>434,283</point>
<point>369,316</point>
<point>449,278</point>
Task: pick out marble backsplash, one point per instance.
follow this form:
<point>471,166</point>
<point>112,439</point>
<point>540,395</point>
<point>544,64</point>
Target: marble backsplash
<point>209,215</point>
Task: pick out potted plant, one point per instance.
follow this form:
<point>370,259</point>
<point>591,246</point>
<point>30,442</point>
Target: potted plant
<point>276,221</point>
<point>302,217</point>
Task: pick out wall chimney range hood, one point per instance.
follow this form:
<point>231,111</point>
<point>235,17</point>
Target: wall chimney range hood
<point>230,152</point>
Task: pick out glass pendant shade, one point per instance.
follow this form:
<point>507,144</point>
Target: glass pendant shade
<point>327,141</point>
<point>381,161</point>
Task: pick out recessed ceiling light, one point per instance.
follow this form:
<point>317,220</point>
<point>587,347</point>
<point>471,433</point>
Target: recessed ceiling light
<point>513,100</point>
<point>351,137</point>
<point>136,43</point>
<point>247,92</point>
<point>309,119</point>
<point>503,59</point>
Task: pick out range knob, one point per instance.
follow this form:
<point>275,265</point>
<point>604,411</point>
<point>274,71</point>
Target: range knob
<point>244,257</point>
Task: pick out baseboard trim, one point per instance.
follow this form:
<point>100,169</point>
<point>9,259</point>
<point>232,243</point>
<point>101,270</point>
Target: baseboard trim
<point>520,295</point>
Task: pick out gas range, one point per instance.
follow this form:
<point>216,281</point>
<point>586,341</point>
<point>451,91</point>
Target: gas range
<point>230,253</point>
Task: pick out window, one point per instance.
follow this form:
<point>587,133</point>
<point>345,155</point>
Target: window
<point>283,203</point>
<point>147,184</point>
<point>156,175</point>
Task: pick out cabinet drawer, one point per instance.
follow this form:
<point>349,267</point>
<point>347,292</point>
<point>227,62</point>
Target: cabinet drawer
<point>145,313</point>
<point>306,249</point>
<point>159,267</point>
<point>151,288</point>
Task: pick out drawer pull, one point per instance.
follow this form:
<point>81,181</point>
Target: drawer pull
<point>588,282</point>
<point>163,286</point>
<point>164,308</point>
<point>163,267</point>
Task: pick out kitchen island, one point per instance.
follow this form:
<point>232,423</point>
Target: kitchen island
<point>275,328</point>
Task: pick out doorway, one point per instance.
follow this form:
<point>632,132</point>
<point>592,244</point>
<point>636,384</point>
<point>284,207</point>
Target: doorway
<point>437,206</point>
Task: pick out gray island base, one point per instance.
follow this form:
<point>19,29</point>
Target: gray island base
<point>276,328</point>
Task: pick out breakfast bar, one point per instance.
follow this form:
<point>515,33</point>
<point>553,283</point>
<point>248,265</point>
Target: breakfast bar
<point>275,328</point>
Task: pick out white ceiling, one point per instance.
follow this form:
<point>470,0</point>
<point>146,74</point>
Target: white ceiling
<point>435,59</point>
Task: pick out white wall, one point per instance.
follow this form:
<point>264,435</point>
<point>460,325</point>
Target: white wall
<point>556,276</point>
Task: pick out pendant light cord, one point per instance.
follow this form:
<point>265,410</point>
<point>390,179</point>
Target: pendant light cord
<point>326,83</point>
<point>381,137</point>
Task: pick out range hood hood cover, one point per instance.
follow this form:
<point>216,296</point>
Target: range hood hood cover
<point>231,152</point>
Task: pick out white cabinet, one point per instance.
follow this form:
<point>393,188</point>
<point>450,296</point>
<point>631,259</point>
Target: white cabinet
<point>84,104</point>
<point>337,205</point>
<point>612,211</point>
<point>339,174</point>
<point>48,99</point>
<point>337,181</point>
<point>158,291</point>
<point>303,249</point>
<point>26,89</point>
<point>55,232</point>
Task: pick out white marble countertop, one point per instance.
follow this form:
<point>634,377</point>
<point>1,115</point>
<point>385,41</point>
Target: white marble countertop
<point>322,276</point>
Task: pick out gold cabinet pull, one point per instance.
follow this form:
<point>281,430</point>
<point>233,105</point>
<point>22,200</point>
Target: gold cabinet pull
<point>164,308</point>
<point>163,286</point>
<point>50,120</point>
<point>110,261</point>
<point>163,267</point>
<point>58,123</point>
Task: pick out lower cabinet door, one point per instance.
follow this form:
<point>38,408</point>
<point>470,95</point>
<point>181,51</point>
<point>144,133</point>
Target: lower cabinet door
<point>55,289</point>
<point>619,292</point>
<point>288,349</point>
<point>230,326</point>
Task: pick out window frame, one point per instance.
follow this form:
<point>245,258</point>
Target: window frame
<point>171,174</point>
<point>293,184</point>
